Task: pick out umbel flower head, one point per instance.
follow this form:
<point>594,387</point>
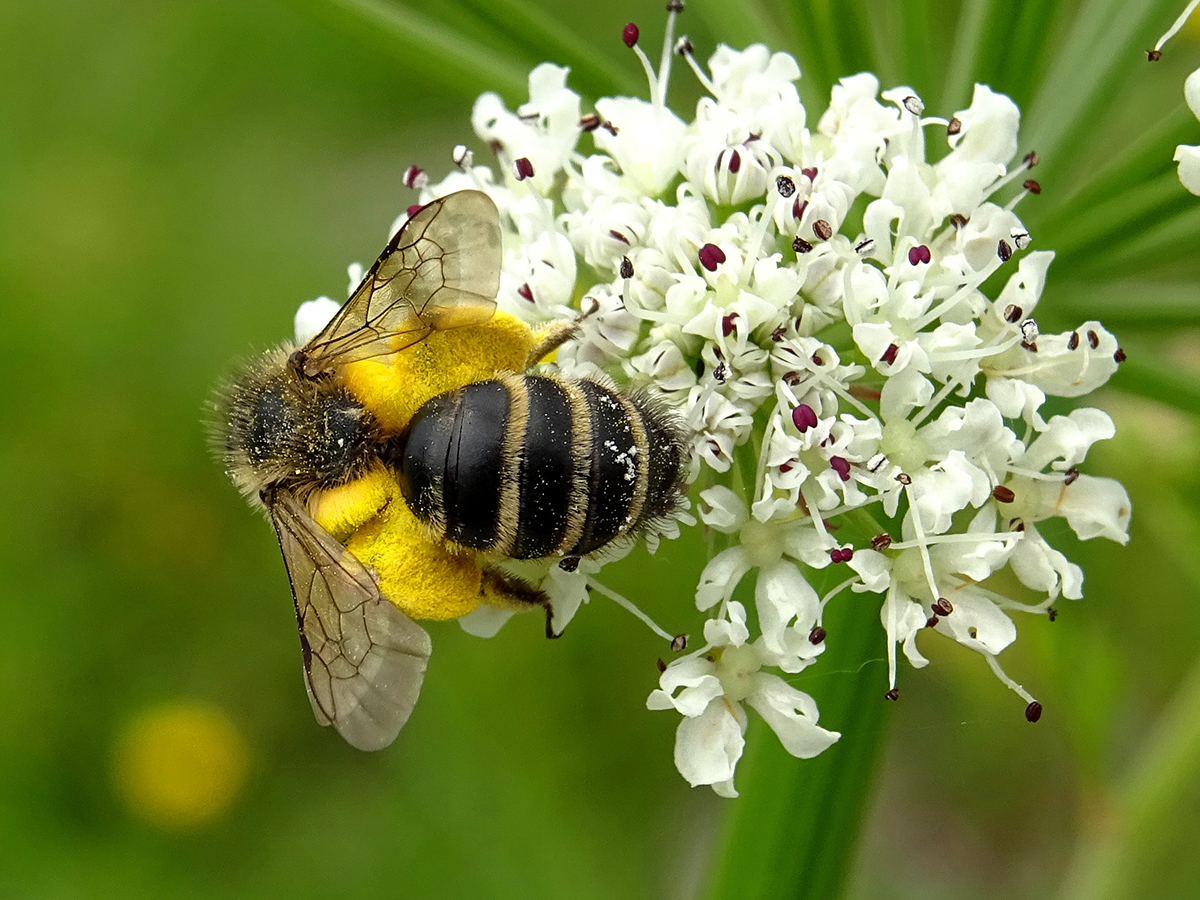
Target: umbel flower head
<point>842,307</point>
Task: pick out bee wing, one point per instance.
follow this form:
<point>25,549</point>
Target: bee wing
<point>440,270</point>
<point>364,660</point>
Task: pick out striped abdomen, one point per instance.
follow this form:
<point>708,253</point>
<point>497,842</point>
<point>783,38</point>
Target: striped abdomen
<point>527,466</point>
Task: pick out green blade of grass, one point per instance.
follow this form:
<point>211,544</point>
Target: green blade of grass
<point>1149,374</point>
<point>1121,226</point>
<point>1132,302</point>
<point>462,62</point>
<point>1088,67</point>
<point>542,38</point>
<point>966,48</point>
<point>753,23</point>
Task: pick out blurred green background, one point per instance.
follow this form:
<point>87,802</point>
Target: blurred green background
<point>176,176</point>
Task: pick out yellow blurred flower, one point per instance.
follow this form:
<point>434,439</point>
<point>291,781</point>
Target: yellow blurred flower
<point>180,764</point>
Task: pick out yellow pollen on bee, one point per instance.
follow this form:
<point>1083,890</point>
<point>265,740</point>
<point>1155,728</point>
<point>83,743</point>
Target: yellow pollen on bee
<point>426,579</point>
<point>444,361</point>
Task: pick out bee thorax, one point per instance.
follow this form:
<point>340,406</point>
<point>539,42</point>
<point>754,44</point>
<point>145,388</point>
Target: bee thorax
<point>280,429</point>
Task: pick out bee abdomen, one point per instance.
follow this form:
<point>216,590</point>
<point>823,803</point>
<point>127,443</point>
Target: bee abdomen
<point>534,466</point>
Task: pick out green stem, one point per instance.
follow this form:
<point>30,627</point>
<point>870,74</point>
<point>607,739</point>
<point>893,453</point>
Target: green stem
<point>793,831</point>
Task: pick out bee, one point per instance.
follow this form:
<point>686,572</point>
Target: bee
<point>403,453</point>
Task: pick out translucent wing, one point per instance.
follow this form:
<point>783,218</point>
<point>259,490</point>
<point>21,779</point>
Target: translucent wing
<point>364,660</point>
<point>441,270</point>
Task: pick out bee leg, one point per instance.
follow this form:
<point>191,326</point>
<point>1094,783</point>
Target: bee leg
<point>503,589</point>
<point>556,334</point>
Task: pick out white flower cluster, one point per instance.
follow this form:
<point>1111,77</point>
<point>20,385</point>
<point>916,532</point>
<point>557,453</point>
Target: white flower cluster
<point>819,302</point>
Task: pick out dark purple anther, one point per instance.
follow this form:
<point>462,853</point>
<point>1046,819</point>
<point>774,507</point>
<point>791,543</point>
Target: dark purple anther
<point>804,417</point>
<point>629,34</point>
<point>711,256</point>
<point>735,162</point>
<point>523,168</point>
<point>889,355</point>
<point>919,254</point>
<point>841,466</point>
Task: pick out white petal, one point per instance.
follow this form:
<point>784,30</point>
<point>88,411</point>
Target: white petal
<point>731,632</point>
<point>1067,439</point>
<point>792,715</point>
<point>874,568</point>
<point>311,317</point>
<point>1024,287</point>
<point>977,623</point>
<point>646,144</point>
<point>1096,507</point>
<point>1041,567</point>
<point>700,687</point>
<point>721,576</point>
<point>781,595</point>
<point>1188,157</point>
<point>989,129</point>
<point>1017,399</point>
<point>484,621</point>
<point>1191,92</point>
<point>722,509</point>
<point>708,746</point>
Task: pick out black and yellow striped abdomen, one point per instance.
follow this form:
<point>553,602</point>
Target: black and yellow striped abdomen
<point>528,466</point>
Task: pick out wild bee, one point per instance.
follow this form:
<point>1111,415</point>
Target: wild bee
<point>402,453</point>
